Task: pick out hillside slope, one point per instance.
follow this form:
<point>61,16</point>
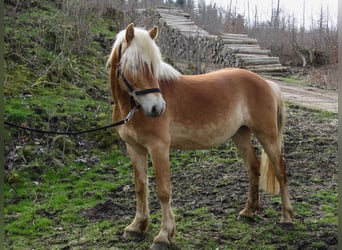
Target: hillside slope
<point>55,79</point>
<point>55,58</point>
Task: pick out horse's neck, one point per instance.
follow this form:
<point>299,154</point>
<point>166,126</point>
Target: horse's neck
<point>122,100</point>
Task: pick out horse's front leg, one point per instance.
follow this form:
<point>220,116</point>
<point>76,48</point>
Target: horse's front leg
<point>160,159</point>
<point>139,225</point>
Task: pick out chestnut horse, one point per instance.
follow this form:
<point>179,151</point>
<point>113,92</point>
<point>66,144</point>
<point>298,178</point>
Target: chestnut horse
<point>192,112</point>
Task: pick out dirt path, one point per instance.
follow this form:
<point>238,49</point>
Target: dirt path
<point>310,97</point>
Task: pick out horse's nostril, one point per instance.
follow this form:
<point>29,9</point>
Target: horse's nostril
<point>154,110</point>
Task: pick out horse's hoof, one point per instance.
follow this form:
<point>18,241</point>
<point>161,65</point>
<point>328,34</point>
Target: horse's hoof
<point>135,236</point>
<point>245,218</point>
<point>160,246</point>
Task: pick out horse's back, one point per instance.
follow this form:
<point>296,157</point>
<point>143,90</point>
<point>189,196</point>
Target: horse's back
<point>223,89</point>
<point>223,78</point>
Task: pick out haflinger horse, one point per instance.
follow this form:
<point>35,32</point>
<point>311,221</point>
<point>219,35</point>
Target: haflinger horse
<point>192,112</point>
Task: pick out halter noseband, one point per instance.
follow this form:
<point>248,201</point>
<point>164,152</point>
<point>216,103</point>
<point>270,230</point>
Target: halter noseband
<point>130,87</point>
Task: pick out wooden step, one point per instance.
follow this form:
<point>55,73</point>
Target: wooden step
<point>239,41</point>
<point>267,68</point>
<point>249,50</point>
<point>262,60</point>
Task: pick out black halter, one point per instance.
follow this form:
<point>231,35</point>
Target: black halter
<point>132,92</point>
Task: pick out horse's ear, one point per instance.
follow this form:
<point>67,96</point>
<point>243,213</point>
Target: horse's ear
<point>129,33</point>
<point>154,32</point>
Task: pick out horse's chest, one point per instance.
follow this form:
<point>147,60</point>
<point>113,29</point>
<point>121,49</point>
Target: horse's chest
<point>128,135</point>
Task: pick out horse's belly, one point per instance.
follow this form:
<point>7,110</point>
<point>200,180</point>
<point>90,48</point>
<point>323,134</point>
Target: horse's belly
<point>187,138</point>
<point>190,143</point>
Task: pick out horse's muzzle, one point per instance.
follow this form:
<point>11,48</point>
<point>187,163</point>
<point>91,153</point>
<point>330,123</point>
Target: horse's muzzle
<point>157,111</point>
<point>153,104</point>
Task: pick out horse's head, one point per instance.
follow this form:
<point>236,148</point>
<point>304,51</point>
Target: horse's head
<point>136,57</point>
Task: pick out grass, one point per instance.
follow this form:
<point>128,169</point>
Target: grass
<point>291,79</point>
<point>36,205</point>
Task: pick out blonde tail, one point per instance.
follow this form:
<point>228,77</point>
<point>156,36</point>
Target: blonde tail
<point>268,181</point>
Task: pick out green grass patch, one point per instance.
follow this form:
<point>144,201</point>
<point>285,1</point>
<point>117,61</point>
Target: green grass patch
<point>292,80</point>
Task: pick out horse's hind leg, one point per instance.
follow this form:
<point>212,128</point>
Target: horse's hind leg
<point>272,148</point>
<point>243,142</point>
<point>139,225</point>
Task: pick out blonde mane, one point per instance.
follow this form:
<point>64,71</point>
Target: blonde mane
<point>143,51</point>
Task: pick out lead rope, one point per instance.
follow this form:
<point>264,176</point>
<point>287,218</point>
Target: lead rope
<point>115,124</point>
